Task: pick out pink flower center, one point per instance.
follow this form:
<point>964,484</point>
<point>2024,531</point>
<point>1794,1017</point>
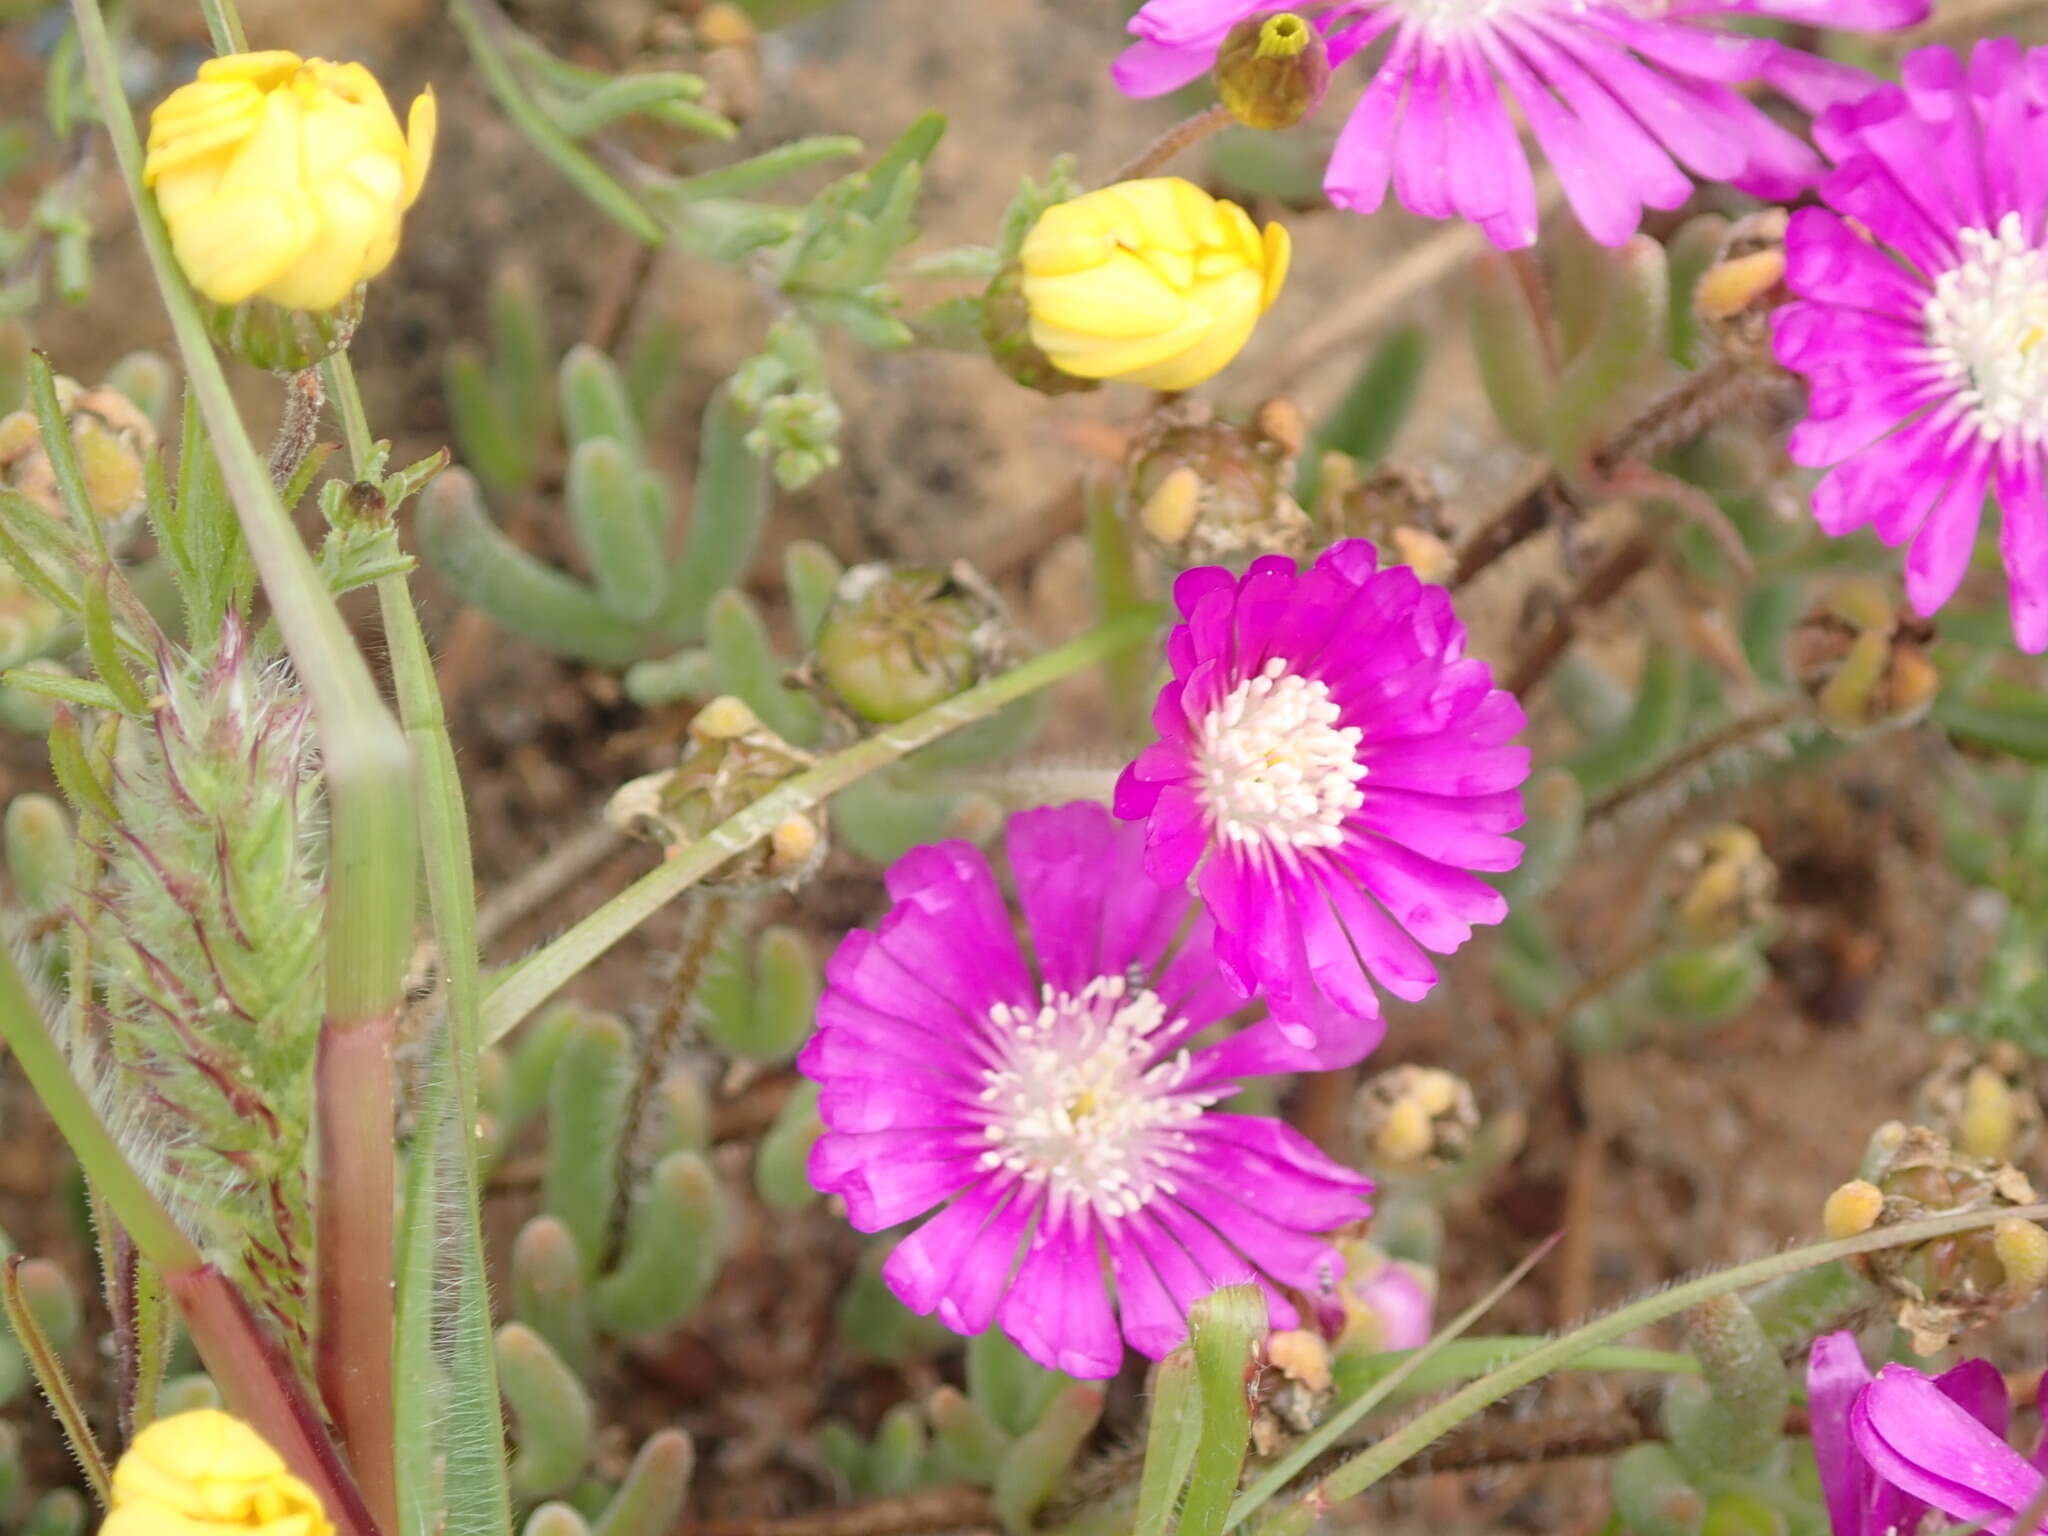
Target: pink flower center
<point>1987,322</point>
<point>1277,770</point>
<point>1080,1102</point>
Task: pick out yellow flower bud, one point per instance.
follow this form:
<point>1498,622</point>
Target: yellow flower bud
<point>201,1472</point>
<point>1152,281</point>
<point>284,178</point>
<point>1852,1208</point>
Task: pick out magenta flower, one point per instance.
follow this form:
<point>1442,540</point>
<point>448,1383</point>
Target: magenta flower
<point>1924,351</point>
<point>1331,767</point>
<point>1060,1109</point>
<point>1894,1446</point>
<point>1623,98</point>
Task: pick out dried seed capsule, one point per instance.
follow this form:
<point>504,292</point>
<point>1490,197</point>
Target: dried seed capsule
<point>1272,71</point>
<point>1201,490</point>
<point>899,639</point>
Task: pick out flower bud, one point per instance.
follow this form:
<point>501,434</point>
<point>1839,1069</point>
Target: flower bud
<point>1862,658</point>
<point>113,441</point>
<point>1982,1098</point>
<point>1006,327</point>
<point>730,760</point>
<point>1296,1390</point>
<point>204,1471</point>
<point>1736,296</point>
<point>279,340</point>
<point>1730,888</point>
<point>1945,1285</point>
<point>1415,1117</point>
<point>1394,507</point>
<point>1851,1208</point>
<point>1151,281</point>
<point>1271,71</point>
<point>285,179</point>
<point>898,639</point>
<point>1201,490</point>
<point>1388,1303</point>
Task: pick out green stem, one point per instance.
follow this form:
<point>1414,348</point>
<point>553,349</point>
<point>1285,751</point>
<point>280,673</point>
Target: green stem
<point>224,27</point>
<point>477,21</point>
<point>368,774</point>
<point>530,983</point>
<point>1367,1468</point>
<point>451,894</point>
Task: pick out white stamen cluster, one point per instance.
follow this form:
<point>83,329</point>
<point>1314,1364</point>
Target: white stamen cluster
<point>1276,768</point>
<point>1080,1103</point>
<point>1987,323</point>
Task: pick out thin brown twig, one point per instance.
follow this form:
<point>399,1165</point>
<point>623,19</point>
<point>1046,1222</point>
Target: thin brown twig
<point>1695,755</point>
<point>1716,391</point>
<point>707,917</point>
<point>1601,586</point>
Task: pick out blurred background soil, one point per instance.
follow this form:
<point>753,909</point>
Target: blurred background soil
<point>1672,1156</point>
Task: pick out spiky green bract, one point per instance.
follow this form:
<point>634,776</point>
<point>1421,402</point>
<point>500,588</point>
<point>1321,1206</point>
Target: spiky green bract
<point>204,906</point>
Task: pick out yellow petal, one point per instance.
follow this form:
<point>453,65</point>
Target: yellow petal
<point>1279,254</point>
<point>1109,357</point>
<point>265,70</point>
<point>1174,268</point>
<point>1230,309</point>
<point>1064,240</point>
<point>217,118</point>
<point>421,124</point>
<point>1122,298</point>
<point>238,242</point>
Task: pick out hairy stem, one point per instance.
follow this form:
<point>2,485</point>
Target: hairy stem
<point>1185,134</point>
<point>1602,585</point>
<point>530,983</point>
<point>1695,755</point>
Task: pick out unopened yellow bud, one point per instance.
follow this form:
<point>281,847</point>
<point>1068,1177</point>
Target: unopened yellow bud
<point>1300,1356</point>
<point>1404,1136</point>
<point>1852,1208</point>
<point>1989,1120</point>
<point>723,25</point>
<point>1729,287</point>
<point>1168,514</point>
<point>725,718</point>
<point>284,178</point>
<point>2022,1248</point>
<point>1153,281</point>
<point>793,842</point>
<point>204,1472</point>
<point>1435,1090</point>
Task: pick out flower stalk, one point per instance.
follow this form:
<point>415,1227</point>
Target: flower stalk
<point>372,860</point>
<point>548,969</point>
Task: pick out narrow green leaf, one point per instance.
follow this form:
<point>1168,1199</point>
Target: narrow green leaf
<point>1170,1443</point>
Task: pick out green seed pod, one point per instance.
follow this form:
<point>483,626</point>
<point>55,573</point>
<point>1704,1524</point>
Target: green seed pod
<point>1272,71</point>
<point>586,1118</point>
<point>1201,490</point>
<point>899,639</point>
<point>674,1245</point>
<point>1710,983</point>
<point>548,1292</point>
<point>551,1413</point>
<point>650,1501</point>
<point>731,760</point>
